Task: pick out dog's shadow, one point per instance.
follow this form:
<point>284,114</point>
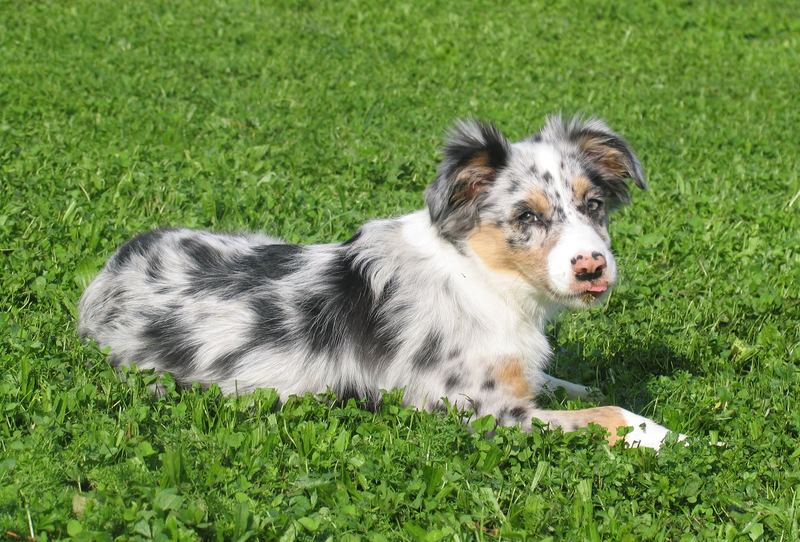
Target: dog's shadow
<point>622,374</point>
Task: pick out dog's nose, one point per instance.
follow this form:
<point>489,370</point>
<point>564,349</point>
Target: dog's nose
<point>588,265</point>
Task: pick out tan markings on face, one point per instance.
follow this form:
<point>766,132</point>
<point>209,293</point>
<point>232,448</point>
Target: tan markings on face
<point>512,376</point>
<point>540,203</point>
<point>473,178</point>
<point>609,417</point>
<point>529,263</point>
<point>580,187</point>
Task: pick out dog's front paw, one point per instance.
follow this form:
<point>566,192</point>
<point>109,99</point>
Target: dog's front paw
<point>551,385</point>
<point>646,433</point>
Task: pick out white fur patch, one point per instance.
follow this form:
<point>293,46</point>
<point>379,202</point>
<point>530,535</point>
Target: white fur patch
<point>646,432</point>
<point>546,157</point>
<point>550,384</point>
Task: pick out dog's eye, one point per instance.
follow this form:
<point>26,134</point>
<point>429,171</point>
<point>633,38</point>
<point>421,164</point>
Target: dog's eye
<point>594,205</point>
<point>529,217</point>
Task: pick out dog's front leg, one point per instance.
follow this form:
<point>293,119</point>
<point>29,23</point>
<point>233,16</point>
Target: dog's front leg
<point>645,433</point>
<point>510,401</point>
<point>549,384</point>
<point>506,393</point>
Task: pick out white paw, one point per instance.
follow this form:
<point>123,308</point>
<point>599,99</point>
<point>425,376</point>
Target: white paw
<point>646,433</point>
<point>572,391</point>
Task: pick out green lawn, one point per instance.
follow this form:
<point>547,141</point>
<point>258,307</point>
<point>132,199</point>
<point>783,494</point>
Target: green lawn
<point>306,119</point>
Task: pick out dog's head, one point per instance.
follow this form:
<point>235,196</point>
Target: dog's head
<point>537,209</point>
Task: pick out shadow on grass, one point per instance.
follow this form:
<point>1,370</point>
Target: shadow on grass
<point>622,375</point>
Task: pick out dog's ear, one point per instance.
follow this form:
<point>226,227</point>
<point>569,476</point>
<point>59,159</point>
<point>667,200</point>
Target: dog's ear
<point>608,156</point>
<point>474,153</point>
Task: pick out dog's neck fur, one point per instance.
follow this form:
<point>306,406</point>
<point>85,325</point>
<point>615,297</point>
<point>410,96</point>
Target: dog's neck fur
<point>529,305</point>
<point>507,318</point>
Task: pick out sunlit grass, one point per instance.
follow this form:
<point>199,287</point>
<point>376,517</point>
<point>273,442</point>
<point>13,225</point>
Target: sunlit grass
<point>305,119</point>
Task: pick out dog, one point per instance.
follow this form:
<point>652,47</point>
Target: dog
<point>448,303</point>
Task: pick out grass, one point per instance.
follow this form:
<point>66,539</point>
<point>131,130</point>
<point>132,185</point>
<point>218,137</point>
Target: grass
<point>307,118</point>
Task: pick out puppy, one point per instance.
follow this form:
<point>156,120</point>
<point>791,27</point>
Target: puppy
<point>447,302</point>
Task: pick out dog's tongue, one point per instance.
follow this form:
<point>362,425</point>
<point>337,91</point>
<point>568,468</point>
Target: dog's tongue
<point>597,288</point>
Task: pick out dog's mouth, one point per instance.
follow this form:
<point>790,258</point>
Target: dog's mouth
<point>592,291</point>
<point>591,295</point>
<point>587,293</point>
